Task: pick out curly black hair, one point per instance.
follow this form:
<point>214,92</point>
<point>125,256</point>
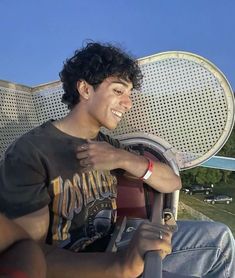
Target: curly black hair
<point>93,63</point>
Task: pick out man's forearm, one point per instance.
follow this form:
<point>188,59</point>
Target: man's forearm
<point>24,256</point>
<point>66,264</point>
<point>10,233</point>
<point>163,177</point>
<point>19,253</point>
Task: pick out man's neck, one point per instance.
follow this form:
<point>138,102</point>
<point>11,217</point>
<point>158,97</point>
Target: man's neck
<point>78,124</point>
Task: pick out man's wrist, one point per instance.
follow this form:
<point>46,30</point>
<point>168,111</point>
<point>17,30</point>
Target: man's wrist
<point>122,159</point>
<point>149,170</point>
<point>136,165</point>
<point>125,271</point>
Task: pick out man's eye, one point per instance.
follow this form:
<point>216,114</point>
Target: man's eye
<point>118,92</point>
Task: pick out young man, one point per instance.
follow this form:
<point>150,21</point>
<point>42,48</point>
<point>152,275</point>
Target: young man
<point>20,256</point>
<point>58,181</point>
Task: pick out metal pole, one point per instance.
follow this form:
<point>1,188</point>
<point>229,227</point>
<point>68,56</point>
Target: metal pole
<point>153,261</point>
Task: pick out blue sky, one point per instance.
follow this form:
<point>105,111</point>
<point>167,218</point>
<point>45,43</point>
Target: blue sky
<point>37,36</point>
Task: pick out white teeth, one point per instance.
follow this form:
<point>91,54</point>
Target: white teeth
<point>119,114</point>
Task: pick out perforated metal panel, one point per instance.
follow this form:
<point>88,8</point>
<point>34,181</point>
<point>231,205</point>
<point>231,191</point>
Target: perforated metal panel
<point>185,100</point>
<point>48,103</point>
<point>17,115</point>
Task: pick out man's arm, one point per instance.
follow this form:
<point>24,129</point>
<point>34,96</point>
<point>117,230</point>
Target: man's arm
<point>163,177</point>
<point>128,264</point>
<point>36,223</point>
<point>101,155</point>
<point>18,253</point>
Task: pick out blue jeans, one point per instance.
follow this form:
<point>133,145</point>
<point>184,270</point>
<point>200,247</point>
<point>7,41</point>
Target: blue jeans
<point>202,249</point>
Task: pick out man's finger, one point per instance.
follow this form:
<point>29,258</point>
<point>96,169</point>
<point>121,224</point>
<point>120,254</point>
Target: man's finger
<point>87,169</point>
<point>85,162</point>
<point>82,154</point>
<point>83,147</point>
<point>151,244</point>
<point>155,227</point>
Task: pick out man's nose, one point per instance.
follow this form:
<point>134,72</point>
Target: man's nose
<point>126,102</point>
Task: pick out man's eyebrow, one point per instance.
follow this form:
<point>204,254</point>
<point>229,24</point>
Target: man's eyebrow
<point>121,82</point>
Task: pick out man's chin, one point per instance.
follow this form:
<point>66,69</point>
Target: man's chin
<point>110,127</point>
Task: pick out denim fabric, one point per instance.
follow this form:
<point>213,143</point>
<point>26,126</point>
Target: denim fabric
<point>201,249</point>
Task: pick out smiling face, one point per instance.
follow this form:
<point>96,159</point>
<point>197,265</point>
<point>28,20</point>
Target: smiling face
<point>109,101</point>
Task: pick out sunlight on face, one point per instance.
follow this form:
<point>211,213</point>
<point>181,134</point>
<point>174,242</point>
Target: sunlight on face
<point>110,101</point>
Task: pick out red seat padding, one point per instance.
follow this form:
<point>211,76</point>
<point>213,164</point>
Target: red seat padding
<point>130,200</point>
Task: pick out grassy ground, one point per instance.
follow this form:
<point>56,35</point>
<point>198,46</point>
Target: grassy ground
<point>218,212</point>
<point>184,215</point>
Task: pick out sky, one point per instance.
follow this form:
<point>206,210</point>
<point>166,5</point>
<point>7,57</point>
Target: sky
<point>37,36</point>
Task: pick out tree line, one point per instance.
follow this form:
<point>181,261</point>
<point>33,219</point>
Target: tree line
<point>202,175</point>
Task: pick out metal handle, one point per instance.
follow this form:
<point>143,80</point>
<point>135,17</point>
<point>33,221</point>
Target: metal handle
<point>152,260</point>
<point>152,265</point>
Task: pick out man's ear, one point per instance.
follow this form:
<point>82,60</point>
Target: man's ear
<point>83,89</point>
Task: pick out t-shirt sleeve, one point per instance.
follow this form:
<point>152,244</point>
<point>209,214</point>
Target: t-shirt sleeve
<point>22,180</point>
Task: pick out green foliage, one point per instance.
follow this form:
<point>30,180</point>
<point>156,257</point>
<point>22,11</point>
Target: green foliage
<point>229,147</point>
<point>208,176</point>
<point>189,177</point>
<point>201,175</point>
<point>227,175</point>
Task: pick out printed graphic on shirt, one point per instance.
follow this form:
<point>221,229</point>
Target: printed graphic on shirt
<point>84,208</point>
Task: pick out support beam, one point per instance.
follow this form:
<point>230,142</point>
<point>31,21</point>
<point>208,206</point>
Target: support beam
<point>220,162</point>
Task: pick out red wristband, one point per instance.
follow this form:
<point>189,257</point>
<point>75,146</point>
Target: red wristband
<point>149,171</point>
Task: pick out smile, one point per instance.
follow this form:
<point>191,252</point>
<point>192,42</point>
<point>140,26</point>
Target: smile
<point>117,113</point>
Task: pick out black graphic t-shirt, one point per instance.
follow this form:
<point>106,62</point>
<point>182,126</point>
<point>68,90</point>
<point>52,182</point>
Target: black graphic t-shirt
<point>40,168</point>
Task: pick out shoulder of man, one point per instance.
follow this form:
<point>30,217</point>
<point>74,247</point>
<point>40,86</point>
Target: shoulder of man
<point>20,144</point>
<point>27,140</point>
